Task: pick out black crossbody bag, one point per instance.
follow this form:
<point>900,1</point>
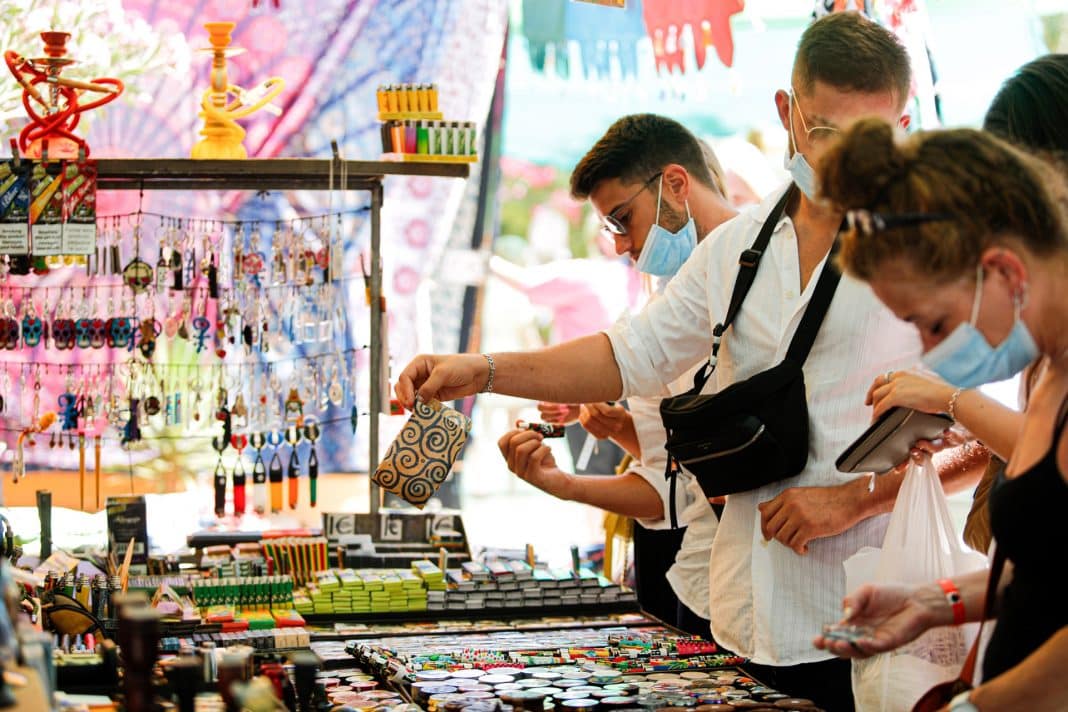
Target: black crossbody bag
<point>753,432</point>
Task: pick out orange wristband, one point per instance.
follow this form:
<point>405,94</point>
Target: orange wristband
<point>955,601</point>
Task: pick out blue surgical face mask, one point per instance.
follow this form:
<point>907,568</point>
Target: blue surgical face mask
<point>803,175</point>
<point>967,360</point>
<point>664,252</point>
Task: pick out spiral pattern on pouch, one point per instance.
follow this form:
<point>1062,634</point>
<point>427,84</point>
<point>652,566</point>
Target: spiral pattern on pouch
<point>386,476</point>
<point>416,490</point>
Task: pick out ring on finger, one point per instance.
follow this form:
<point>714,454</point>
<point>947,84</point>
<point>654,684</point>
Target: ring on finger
<point>888,376</point>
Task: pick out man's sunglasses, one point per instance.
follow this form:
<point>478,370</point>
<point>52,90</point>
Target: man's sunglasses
<point>610,223</point>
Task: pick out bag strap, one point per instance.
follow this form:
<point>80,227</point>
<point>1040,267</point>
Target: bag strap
<point>816,310</point>
<point>749,262</point>
<point>967,673</point>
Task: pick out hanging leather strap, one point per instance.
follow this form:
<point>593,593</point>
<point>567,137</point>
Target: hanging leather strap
<point>817,308</point>
<point>997,566</point>
<point>748,263</point>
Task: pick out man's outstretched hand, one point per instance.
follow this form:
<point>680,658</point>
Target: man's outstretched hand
<point>442,377</point>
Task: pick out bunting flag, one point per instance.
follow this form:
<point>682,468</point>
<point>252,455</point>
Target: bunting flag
<point>599,30</point>
<point>603,32</point>
<point>543,27</point>
<point>709,22</point>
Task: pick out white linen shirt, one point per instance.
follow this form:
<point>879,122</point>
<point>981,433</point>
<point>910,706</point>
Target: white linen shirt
<point>766,602</point>
<point>688,576</point>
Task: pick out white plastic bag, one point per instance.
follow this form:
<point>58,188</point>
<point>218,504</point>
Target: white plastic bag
<point>921,546</point>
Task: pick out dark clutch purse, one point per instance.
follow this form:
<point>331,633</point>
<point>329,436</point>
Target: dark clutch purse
<point>888,440</point>
<point>423,453</point>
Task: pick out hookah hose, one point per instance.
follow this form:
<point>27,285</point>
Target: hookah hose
<point>65,120</point>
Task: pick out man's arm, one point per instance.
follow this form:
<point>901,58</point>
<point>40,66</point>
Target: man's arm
<point>640,355</point>
<point>583,370</point>
<point>627,494</point>
<point>800,514</point>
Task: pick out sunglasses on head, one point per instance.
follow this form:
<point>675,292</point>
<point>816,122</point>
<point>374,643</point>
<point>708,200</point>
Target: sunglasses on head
<point>869,223</point>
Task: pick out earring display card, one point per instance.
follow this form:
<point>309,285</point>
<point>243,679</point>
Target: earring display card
<point>46,211</point>
<point>423,453</point>
<point>79,189</point>
<point>14,208</point>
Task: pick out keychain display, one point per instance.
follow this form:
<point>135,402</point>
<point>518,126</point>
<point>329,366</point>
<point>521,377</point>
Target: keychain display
<point>311,434</point>
<point>238,443</point>
<point>275,473</point>
<point>259,474</point>
<point>292,437</point>
<point>219,444</point>
<point>192,319</point>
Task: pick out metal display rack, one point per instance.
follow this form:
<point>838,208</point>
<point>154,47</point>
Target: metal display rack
<point>288,174</point>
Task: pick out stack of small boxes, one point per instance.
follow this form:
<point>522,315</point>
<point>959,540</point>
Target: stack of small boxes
<point>413,129</point>
<point>515,584</point>
<point>433,582</point>
<point>497,584</point>
<point>362,591</point>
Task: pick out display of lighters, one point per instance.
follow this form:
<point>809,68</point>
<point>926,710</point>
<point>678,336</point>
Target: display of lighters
<point>414,130</point>
<point>414,140</point>
<point>408,99</point>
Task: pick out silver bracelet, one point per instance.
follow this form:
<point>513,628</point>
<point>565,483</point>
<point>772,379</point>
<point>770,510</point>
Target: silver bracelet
<point>952,410</point>
<point>488,388</point>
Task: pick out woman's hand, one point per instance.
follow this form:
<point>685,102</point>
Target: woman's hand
<point>559,413</point>
<point>909,389</point>
<point>896,615</point>
<point>605,420</point>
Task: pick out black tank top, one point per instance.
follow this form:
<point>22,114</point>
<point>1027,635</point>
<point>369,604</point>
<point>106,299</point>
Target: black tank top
<point>1027,516</point>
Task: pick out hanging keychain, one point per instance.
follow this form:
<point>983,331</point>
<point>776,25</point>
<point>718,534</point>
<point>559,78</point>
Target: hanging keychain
<point>311,433</point>
<point>239,442</point>
<point>259,474</point>
<point>292,436</point>
<point>220,444</point>
<point>275,474</point>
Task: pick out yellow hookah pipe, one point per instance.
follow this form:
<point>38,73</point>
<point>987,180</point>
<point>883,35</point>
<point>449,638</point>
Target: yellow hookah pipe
<point>222,135</point>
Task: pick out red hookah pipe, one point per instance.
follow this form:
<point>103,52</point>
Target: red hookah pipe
<point>64,121</point>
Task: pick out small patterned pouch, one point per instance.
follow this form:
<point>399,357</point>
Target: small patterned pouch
<point>423,453</point>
